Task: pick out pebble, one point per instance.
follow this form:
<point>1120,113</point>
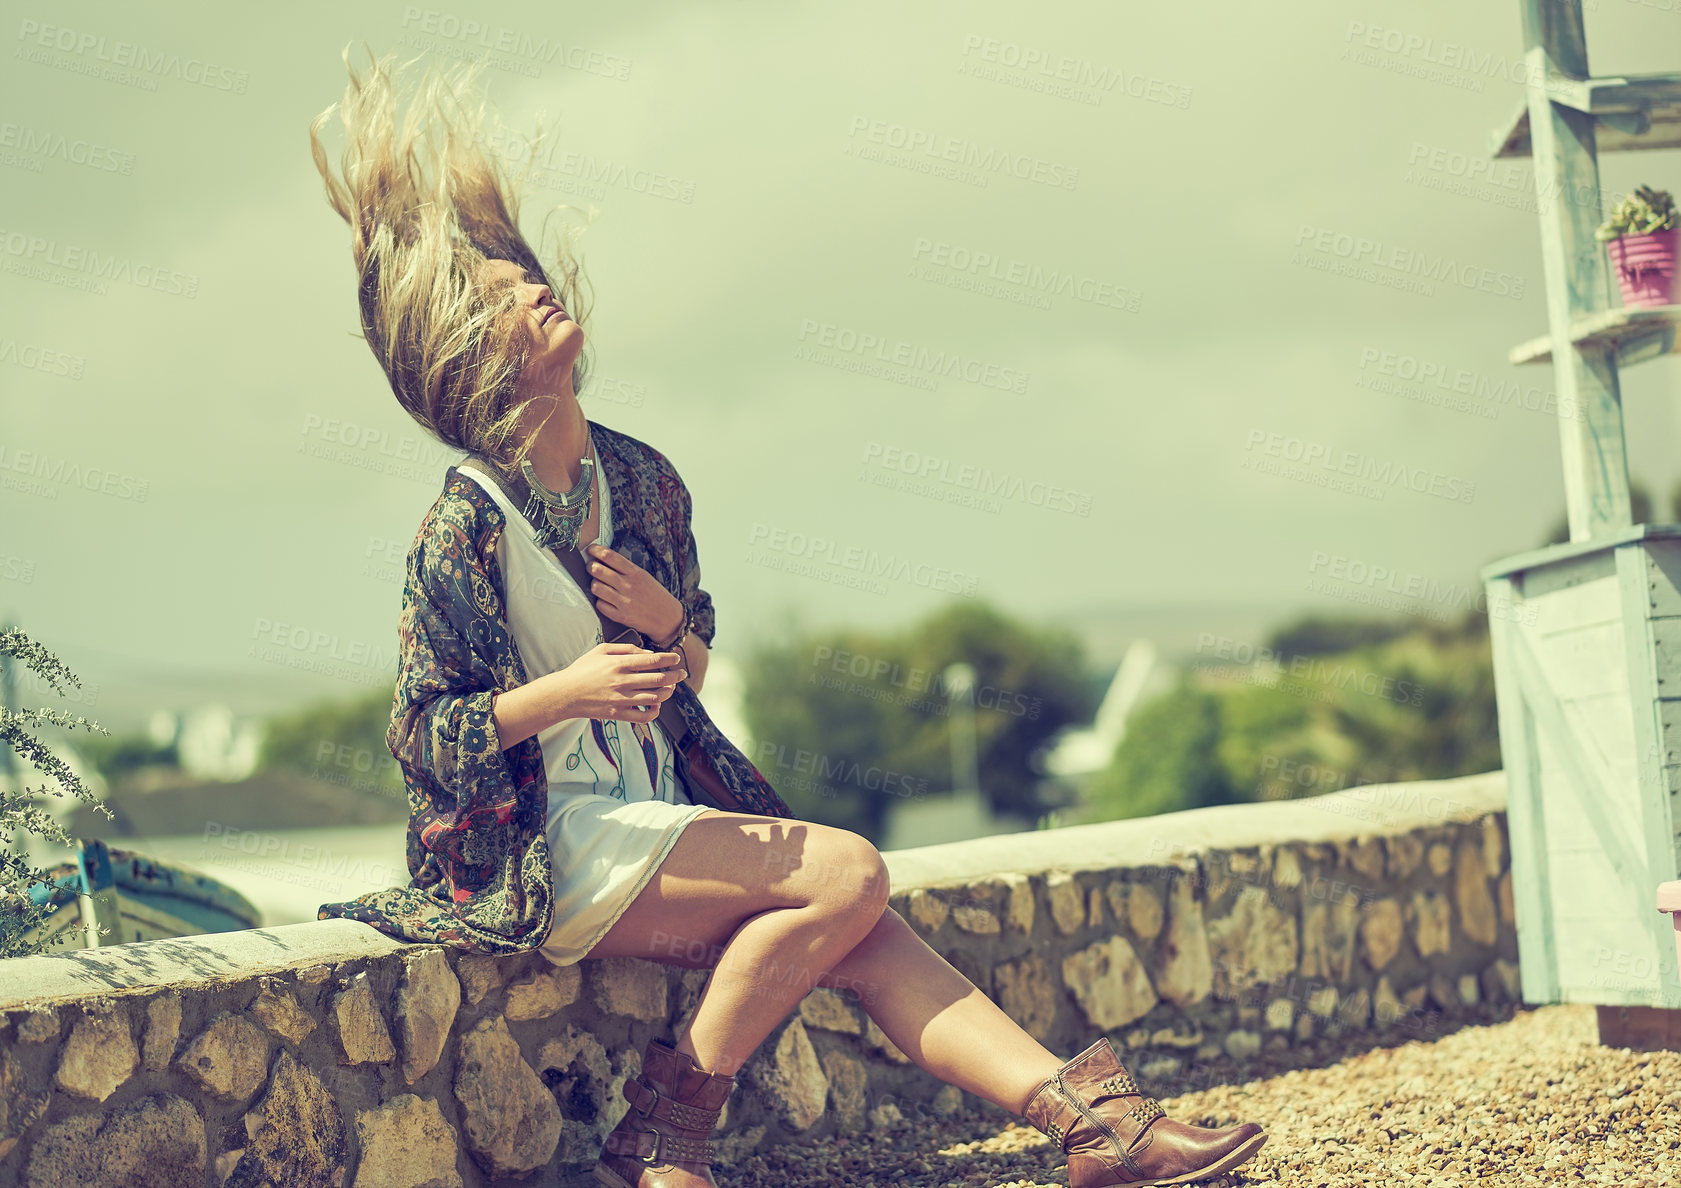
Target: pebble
<point>1528,1099</point>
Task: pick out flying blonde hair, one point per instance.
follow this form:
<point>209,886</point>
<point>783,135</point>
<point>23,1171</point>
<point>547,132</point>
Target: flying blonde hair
<point>427,206</point>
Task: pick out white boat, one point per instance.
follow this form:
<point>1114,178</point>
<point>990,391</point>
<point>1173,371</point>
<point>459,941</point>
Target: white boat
<point>135,896</point>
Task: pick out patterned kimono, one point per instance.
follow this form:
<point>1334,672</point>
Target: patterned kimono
<point>477,851</point>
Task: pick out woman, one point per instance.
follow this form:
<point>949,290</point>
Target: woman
<point>568,792</point>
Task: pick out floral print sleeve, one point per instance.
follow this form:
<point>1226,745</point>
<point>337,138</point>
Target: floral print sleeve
<point>443,731</point>
<point>696,601</point>
<point>478,862</point>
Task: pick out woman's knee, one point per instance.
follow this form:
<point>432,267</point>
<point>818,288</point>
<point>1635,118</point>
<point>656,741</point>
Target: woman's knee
<point>850,875</point>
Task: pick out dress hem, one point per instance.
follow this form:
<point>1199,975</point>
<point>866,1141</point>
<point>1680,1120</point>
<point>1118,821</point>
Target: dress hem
<point>667,840</point>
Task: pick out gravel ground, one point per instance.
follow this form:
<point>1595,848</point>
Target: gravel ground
<point>1531,1100</point>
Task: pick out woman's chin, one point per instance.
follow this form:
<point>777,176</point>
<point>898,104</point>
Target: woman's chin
<point>566,340</point>
<point>552,371</point>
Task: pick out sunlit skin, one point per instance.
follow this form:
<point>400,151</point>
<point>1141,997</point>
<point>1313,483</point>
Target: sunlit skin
<point>779,906</point>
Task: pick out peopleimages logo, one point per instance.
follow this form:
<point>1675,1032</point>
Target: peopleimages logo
<point>148,63</point>
<point>1354,580</point>
<point>1305,676</point>
<point>514,43</point>
<point>838,341</point>
<point>913,679</point>
<point>1444,55</point>
<point>1032,278</point>
<point>36,358</point>
<point>981,479</point>
<point>1073,78</point>
<point>960,151</point>
<point>42,144</point>
<point>1363,251</point>
<point>19,467</point>
<point>30,253</point>
<point>1480,392</point>
<point>829,771</point>
<point>1382,577</point>
<point>866,562</point>
<point>1310,457</point>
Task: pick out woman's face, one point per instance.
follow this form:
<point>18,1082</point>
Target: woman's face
<point>540,324</point>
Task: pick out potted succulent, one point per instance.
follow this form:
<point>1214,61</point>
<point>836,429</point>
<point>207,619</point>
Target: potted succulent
<point>1641,237</point>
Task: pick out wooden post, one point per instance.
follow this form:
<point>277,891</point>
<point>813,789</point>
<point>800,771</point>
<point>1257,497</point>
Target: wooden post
<point>1577,276</point>
<point>1526,819</point>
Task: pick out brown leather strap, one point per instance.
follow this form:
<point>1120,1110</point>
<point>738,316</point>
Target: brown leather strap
<point>1056,1112</point>
<point>651,1146</point>
<point>1140,1112</point>
<point>651,1103</point>
<point>1051,1112</point>
<point>1147,1111</point>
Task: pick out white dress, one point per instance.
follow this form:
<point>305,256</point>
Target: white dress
<point>616,806</point>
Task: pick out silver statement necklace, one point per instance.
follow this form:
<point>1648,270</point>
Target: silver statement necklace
<point>562,512</point>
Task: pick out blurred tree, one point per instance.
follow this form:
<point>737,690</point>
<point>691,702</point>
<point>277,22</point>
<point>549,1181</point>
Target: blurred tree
<point>1376,701</point>
<point>1028,685</point>
<point>844,723</point>
<point>1265,734</point>
<point>1166,761</point>
<point>1320,635</point>
<point>1417,706</point>
<point>822,736</point>
<point>341,742</point>
<point>1460,732</point>
<point>123,754</point>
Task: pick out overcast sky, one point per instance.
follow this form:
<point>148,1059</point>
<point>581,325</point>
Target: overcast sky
<point>1122,228</point>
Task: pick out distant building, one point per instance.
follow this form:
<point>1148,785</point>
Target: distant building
<point>210,742</point>
<point>1083,750</point>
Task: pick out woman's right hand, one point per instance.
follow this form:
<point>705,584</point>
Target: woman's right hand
<point>619,680</point>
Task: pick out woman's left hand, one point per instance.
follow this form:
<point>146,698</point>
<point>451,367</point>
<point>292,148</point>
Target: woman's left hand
<point>632,595</point>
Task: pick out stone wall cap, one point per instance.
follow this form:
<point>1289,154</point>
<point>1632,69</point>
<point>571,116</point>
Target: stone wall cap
<point>1166,840</point>
<point>1371,810</point>
<point>186,960</point>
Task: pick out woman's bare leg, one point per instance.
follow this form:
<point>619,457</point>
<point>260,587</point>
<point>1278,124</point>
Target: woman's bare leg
<point>778,908</point>
<point>771,903</point>
<point>939,1018</point>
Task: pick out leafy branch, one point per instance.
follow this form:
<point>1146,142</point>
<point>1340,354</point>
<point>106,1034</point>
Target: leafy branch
<point>20,814</point>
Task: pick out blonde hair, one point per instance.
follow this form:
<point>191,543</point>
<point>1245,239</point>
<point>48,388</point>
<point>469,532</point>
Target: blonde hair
<point>427,206</point>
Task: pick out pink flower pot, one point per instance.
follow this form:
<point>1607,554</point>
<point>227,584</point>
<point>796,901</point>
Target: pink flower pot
<point>1646,267</point>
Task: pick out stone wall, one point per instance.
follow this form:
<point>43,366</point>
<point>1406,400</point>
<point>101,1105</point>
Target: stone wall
<point>325,1053</point>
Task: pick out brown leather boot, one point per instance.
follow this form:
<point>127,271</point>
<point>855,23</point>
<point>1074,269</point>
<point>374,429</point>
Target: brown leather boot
<point>1113,1134</point>
<point>662,1141</point>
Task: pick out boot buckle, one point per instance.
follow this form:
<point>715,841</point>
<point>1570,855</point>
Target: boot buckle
<point>653,1156</point>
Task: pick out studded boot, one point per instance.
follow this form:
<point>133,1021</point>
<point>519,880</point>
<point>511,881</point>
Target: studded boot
<point>662,1141</point>
<point>1113,1135</point>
